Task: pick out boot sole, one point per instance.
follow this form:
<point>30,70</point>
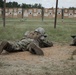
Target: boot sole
<point>3,44</point>
<point>36,49</point>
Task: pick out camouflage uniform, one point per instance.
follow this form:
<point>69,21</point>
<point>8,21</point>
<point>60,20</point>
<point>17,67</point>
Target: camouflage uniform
<point>42,38</point>
<point>22,44</point>
<point>34,39</point>
<point>73,44</point>
<point>74,41</point>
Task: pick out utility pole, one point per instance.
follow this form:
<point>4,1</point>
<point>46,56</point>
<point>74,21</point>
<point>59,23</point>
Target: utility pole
<point>4,7</point>
<point>56,14</point>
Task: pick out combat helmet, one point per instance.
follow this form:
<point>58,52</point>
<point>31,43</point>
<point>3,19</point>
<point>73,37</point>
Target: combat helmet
<point>40,30</point>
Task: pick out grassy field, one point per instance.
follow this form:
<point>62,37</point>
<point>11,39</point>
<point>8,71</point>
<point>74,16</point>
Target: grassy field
<point>15,29</point>
<point>57,60</point>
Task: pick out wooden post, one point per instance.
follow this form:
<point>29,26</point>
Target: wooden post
<point>42,13</point>
<point>62,17</point>
<point>62,14</point>
<point>22,12</point>
<point>56,13</point>
<point>4,13</point>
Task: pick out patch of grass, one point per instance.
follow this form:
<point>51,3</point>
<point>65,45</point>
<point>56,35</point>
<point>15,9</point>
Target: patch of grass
<point>1,64</point>
<point>16,28</point>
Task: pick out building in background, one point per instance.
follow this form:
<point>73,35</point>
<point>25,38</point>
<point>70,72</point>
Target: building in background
<point>66,13</point>
<point>74,13</point>
<point>15,12</point>
<point>37,13</point>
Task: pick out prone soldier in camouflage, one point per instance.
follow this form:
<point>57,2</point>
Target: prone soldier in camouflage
<point>42,38</point>
<point>31,42</point>
<point>73,44</point>
<point>74,40</point>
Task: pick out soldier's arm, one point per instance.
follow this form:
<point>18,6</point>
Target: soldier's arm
<point>47,43</point>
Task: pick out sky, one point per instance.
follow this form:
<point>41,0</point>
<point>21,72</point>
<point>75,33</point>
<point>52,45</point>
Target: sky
<point>49,3</point>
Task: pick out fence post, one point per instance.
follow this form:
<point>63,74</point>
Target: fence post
<point>4,13</point>
<point>42,13</point>
<point>56,14</point>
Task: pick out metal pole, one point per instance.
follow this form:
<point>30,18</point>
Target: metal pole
<point>4,13</point>
<point>56,14</point>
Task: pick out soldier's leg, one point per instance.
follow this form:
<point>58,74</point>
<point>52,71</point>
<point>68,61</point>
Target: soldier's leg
<point>15,47</point>
<point>9,47</point>
<point>35,49</point>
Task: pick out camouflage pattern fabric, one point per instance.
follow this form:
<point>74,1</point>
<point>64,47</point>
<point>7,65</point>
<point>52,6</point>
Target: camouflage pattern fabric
<point>74,41</point>
<point>32,41</point>
<point>38,37</point>
<point>21,44</point>
<point>41,37</point>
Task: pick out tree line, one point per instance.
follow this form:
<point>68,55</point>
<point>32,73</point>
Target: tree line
<point>16,5</point>
<point>72,8</point>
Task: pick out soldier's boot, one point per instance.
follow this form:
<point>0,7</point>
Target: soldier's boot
<point>34,49</point>
<point>3,46</point>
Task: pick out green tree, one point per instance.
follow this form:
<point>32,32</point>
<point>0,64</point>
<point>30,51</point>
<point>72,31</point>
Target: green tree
<point>1,3</point>
<point>35,6</point>
<point>14,4</point>
<point>72,8</point>
<point>23,5</point>
<point>39,6</point>
<point>9,4</point>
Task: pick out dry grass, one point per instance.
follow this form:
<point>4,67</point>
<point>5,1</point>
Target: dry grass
<point>56,61</point>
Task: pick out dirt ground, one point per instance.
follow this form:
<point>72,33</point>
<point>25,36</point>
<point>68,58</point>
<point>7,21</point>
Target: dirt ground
<point>57,60</point>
